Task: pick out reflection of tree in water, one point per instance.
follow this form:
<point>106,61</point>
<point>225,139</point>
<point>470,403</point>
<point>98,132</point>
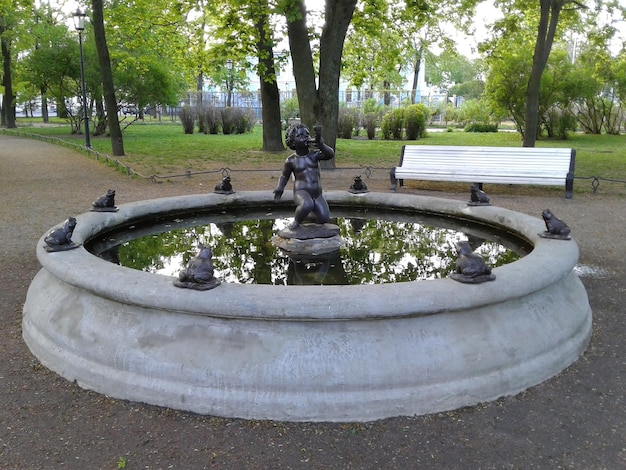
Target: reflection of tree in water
<point>376,251</point>
<point>247,255</point>
<point>382,252</point>
<point>153,252</point>
<point>399,252</point>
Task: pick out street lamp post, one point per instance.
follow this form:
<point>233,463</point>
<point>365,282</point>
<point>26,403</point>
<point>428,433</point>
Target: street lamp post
<point>79,24</point>
<point>229,82</point>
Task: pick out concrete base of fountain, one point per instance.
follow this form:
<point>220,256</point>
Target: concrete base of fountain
<point>298,353</point>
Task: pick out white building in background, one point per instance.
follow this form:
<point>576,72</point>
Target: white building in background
<point>348,95</point>
<point>250,98</point>
<point>351,96</point>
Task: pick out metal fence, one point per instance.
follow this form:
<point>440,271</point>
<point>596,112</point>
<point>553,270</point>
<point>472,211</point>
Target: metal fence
<point>252,99</point>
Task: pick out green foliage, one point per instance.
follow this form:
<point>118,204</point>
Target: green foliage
<point>209,119</point>
<point>476,111</point>
<point>410,120</point>
<point>472,89</point>
<point>371,121</point>
<point>289,109</point>
<point>187,119</point>
<point>237,120</point>
<point>372,116</point>
<point>146,80</point>
<point>480,127</point>
<point>455,74</point>
<point>558,123</point>
<point>451,113</point>
<point>416,116</point>
<point>371,105</point>
<point>347,122</point>
<point>392,124</point>
<point>507,80</point>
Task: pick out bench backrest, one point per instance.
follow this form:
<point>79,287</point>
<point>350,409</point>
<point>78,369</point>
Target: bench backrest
<point>550,162</point>
<point>507,165</point>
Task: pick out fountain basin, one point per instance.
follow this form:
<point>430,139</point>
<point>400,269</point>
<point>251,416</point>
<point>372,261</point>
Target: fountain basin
<point>307,353</point>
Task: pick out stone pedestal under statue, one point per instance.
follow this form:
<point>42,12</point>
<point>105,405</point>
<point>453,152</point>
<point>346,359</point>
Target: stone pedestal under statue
<point>309,239</point>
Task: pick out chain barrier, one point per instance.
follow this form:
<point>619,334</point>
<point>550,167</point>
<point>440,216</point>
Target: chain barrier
<point>226,171</point>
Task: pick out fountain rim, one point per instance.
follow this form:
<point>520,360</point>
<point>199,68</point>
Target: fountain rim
<point>548,262</point>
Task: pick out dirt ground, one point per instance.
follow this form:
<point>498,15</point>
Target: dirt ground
<point>575,420</point>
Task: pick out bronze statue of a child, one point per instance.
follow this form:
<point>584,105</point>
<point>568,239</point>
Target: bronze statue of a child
<point>304,165</point>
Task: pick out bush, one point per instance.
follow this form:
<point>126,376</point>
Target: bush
<point>237,120</point>
<point>251,119</point>
<point>289,109</point>
<point>480,127</point>
<point>372,116</point>
<point>415,119</point>
<point>476,111</point>
<point>392,124</point>
<point>186,115</point>
<point>370,122</point>
<point>347,122</point>
<point>558,123</point>
<point>370,105</point>
<point>209,120</point>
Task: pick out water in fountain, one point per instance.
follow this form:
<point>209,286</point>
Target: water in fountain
<point>378,248</point>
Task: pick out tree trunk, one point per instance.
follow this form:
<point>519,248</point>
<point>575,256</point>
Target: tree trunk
<point>321,105</point>
<point>270,95</point>
<point>100,126</point>
<point>550,11</point>
<point>117,143</point>
<point>416,74</point>
<point>44,107</point>
<point>8,102</point>
<point>338,15</point>
<point>302,61</point>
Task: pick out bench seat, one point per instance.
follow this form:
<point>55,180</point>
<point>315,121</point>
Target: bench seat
<point>506,165</point>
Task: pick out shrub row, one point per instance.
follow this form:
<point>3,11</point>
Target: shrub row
<point>480,127</point>
<point>211,120</point>
<point>410,121</point>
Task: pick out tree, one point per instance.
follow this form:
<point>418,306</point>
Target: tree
<point>117,141</point>
<point>455,74</point>
<point>51,65</point>
<point>270,95</point>
<point>319,104</point>
<point>144,80</point>
<point>242,30</point>
<point>12,15</point>
<point>597,72</point>
<point>8,101</point>
<point>374,47</point>
<point>426,23</point>
<point>548,22</point>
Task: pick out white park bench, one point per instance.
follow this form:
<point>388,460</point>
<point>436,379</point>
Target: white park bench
<point>506,165</point>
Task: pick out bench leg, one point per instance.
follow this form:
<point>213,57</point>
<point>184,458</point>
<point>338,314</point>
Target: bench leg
<point>393,179</point>
<point>569,186</point>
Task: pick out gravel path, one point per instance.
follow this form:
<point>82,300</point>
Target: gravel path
<point>575,420</point>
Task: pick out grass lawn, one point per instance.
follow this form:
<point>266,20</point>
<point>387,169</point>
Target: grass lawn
<point>162,149</point>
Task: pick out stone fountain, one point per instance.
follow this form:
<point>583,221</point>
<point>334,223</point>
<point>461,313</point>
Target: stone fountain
<point>307,353</point>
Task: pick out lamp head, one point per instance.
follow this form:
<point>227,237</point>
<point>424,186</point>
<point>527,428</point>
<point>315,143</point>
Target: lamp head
<point>79,19</point>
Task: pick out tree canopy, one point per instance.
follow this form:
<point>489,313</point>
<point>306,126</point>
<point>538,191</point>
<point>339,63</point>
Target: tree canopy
<point>160,48</point>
